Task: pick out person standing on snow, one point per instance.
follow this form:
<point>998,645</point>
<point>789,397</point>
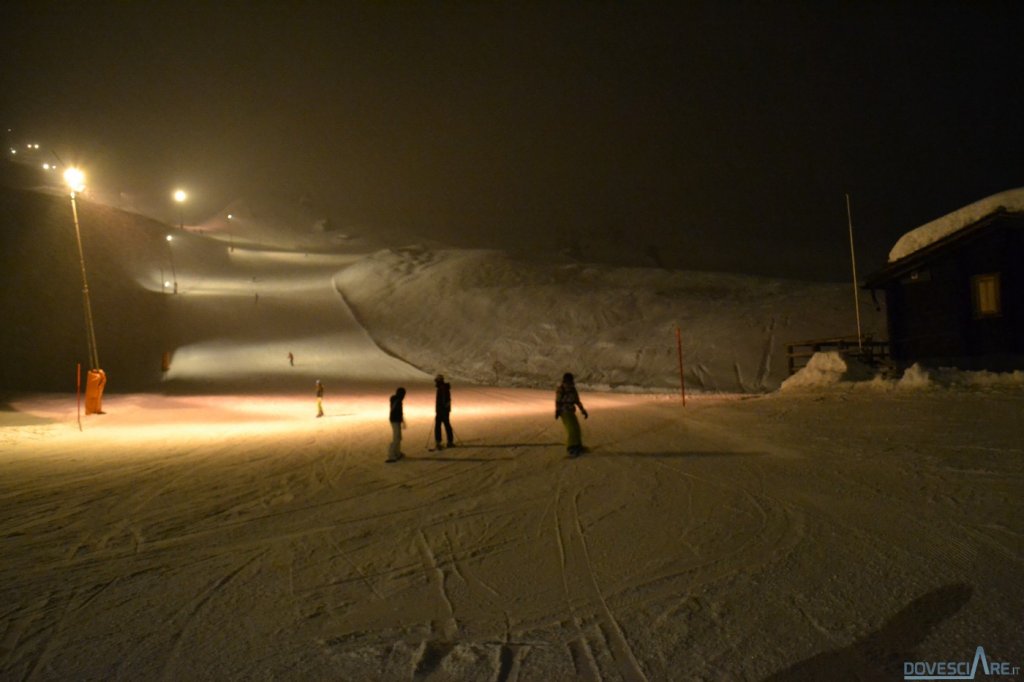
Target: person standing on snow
<point>442,410</point>
<point>397,419</point>
<point>566,400</point>
<point>319,399</point>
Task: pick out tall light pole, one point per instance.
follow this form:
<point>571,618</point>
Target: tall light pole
<point>75,180</point>
<point>181,197</point>
<point>96,377</point>
<point>174,274</point>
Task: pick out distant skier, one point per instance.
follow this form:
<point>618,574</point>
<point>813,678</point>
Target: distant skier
<point>291,359</point>
<point>319,399</point>
<point>566,400</point>
<point>442,410</point>
<point>397,419</point>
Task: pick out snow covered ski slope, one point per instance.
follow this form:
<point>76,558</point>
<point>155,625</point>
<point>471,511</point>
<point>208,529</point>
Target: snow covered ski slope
<point>819,536</point>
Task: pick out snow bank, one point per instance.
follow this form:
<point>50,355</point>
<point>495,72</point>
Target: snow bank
<point>832,370</point>
<point>492,318</point>
<point>917,377</point>
<point>929,233</point>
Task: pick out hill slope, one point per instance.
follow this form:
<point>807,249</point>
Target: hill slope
<point>491,318</point>
<point>246,300</point>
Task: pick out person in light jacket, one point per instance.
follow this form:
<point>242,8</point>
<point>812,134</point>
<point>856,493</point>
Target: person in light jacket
<point>566,401</point>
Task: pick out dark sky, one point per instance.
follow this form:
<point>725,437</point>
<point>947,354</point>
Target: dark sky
<point>717,135</point>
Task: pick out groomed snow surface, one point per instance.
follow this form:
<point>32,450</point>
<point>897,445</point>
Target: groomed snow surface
<point>816,536</point>
<point>209,527</point>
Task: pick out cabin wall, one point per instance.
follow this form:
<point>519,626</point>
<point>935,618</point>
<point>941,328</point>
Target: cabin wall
<point>1000,253</point>
<point>931,314</point>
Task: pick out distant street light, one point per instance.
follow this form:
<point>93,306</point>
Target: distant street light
<point>181,197</point>
<point>97,379</point>
<point>174,275</point>
<point>75,179</point>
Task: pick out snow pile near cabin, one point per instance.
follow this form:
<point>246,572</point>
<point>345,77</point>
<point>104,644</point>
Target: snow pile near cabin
<point>827,369</point>
<point>917,377</point>
<point>929,233</point>
<point>833,370</point>
<point>489,317</point>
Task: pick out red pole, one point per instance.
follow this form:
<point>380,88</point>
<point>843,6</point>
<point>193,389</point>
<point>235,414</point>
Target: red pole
<point>78,394</point>
<point>682,381</point>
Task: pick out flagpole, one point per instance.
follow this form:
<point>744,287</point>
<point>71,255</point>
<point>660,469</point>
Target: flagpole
<point>853,265</point>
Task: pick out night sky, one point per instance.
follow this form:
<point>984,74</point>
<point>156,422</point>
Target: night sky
<point>702,135</point>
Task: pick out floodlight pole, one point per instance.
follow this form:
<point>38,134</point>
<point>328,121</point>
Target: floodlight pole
<point>90,332</point>
<point>853,264</point>
<point>174,273</point>
<point>181,196</point>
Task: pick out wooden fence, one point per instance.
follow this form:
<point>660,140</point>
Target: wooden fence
<point>868,351</point>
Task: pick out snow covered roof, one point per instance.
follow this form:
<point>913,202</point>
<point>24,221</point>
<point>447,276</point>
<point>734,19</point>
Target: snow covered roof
<point>929,233</point>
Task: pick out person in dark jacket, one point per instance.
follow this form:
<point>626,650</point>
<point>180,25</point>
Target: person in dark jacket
<point>442,410</point>
<point>566,401</point>
<point>397,419</point>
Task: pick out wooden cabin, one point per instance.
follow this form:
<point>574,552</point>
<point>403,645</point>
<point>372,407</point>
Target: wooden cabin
<point>959,301</point>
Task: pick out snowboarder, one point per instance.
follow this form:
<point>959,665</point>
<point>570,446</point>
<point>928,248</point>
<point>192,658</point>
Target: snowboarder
<point>566,400</point>
<point>442,410</point>
<point>319,399</point>
<point>397,419</point>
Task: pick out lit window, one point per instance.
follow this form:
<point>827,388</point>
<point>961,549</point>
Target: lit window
<point>985,289</point>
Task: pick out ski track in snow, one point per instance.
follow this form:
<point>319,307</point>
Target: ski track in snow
<point>605,646</point>
<point>185,620</point>
<point>499,559</point>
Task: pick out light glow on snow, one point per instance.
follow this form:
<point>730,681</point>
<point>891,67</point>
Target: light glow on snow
<point>345,353</point>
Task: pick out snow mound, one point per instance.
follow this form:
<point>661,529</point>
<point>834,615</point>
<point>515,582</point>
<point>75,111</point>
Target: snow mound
<point>493,318</point>
<point>825,370</point>
<point>915,377</point>
<point>929,233</point>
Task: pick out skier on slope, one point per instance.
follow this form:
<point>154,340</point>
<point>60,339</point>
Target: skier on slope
<point>442,410</point>
<point>397,419</point>
<point>566,400</point>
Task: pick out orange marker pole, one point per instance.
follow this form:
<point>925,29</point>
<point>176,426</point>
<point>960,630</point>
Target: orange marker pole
<point>682,381</point>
